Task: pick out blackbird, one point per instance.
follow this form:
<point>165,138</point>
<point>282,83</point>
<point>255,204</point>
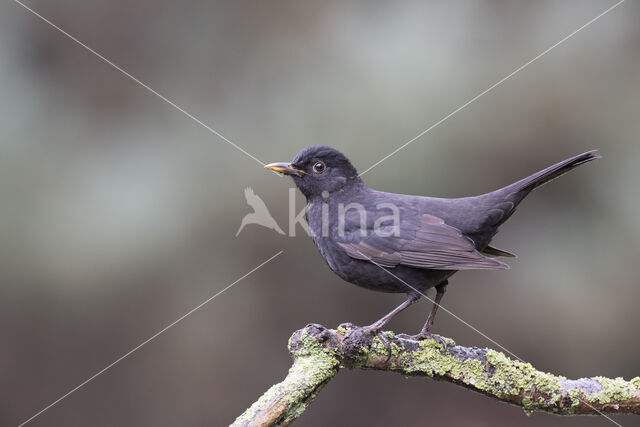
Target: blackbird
<point>402,243</point>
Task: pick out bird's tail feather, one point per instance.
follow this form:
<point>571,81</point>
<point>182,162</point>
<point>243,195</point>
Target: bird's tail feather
<point>539,178</point>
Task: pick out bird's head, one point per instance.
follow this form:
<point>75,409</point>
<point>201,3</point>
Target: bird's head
<point>319,168</point>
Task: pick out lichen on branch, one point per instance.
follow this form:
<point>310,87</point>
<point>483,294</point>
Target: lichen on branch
<point>319,353</point>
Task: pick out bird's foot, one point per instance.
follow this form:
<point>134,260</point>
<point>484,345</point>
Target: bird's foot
<point>371,329</point>
<point>375,330</point>
<point>346,326</point>
<point>426,335</point>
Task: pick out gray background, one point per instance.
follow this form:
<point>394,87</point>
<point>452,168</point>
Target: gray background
<point>119,213</point>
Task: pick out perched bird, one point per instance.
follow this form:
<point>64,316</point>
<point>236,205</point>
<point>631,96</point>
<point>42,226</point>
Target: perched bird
<point>260,214</point>
<point>401,243</point>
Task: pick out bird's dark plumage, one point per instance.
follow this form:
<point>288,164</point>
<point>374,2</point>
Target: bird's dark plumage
<point>402,243</point>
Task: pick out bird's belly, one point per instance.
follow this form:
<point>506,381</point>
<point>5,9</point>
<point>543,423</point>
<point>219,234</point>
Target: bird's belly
<point>401,279</point>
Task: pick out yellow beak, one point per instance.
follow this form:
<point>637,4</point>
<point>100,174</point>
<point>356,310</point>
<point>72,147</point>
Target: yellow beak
<point>285,168</point>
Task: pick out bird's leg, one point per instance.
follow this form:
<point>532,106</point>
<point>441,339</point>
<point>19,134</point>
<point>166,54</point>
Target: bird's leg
<point>376,326</point>
<point>440,290</point>
<point>425,332</point>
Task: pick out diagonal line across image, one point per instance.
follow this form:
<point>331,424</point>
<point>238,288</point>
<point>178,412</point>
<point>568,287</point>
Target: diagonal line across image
<point>145,342</point>
<point>490,88</point>
<point>144,85</point>
<point>467,324</point>
<point>198,121</point>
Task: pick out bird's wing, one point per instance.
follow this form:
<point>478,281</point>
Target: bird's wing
<point>492,251</point>
<point>422,241</point>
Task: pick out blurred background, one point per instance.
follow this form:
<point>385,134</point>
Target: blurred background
<point>119,213</point>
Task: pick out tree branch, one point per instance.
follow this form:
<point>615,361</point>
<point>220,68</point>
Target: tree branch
<point>318,354</point>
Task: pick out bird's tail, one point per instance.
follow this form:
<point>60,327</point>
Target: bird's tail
<point>524,186</point>
<point>499,205</point>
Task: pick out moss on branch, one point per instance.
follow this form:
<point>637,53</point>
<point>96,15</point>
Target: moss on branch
<point>319,353</point>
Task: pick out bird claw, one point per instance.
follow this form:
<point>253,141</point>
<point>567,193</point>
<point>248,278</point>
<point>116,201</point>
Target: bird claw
<point>423,336</point>
<point>370,330</point>
<point>346,326</point>
<point>376,331</point>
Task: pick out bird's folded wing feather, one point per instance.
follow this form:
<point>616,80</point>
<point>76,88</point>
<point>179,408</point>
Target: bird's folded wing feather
<point>422,241</point>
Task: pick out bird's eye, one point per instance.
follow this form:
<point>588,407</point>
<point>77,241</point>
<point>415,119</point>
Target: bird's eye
<point>319,167</point>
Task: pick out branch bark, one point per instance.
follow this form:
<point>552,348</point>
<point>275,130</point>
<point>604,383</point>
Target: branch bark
<point>319,353</point>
